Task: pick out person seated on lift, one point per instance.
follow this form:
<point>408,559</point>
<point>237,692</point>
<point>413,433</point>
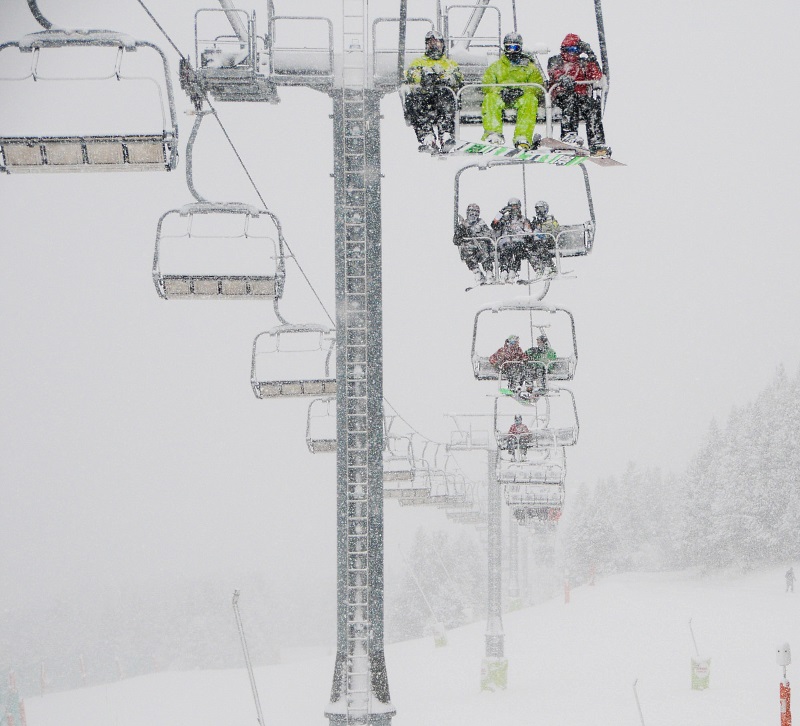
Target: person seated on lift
<point>518,438</point>
<point>474,239</point>
<point>541,358</point>
<point>430,101</point>
<point>514,238</point>
<point>509,362</point>
<point>542,255</point>
<point>576,85</point>
<point>513,67</point>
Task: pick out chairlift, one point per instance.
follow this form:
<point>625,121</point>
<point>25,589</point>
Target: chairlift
<point>525,379</point>
<point>90,151</point>
<point>294,360</point>
<point>398,459</point>
<point>551,421</point>
<point>321,426</point>
<point>534,489</point>
<point>229,65</point>
<point>570,240</point>
<point>202,238</point>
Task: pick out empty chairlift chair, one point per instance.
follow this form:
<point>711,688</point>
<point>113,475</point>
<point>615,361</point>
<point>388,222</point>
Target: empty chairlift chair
<point>208,250</point>
<point>321,426</point>
<point>400,480</point>
<point>86,100</point>
<point>535,489</point>
<point>230,58</point>
<point>294,360</point>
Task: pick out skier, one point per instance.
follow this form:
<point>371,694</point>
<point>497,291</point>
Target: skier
<point>514,238</point>
<point>542,358</point>
<point>473,237</point>
<point>430,102</point>
<point>518,436</point>
<point>577,100</point>
<point>509,362</point>
<point>514,66</point>
<point>790,580</point>
<point>542,254</point>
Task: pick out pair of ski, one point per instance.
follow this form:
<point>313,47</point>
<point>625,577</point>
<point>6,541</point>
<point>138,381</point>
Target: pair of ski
<point>516,282</point>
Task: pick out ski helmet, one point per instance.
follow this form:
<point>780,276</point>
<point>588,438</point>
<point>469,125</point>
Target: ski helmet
<point>512,46</point>
<point>512,339</point>
<point>542,208</point>
<point>518,419</point>
<point>542,337</point>
<point>473,208</point>
<point>434,44</point>
<point>514,202</point>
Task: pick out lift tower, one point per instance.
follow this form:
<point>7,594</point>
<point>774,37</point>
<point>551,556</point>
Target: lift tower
<point>360,691</point>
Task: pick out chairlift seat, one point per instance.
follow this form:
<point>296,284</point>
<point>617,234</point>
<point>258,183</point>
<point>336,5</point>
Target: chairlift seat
<point>534,473</point>
<point>532,495</point>
<point>144,152</point>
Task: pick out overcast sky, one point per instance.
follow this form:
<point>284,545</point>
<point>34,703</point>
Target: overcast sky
<point>133,448</point>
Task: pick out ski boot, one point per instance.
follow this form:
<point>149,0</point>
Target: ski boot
<point>427,144</point>
<point>600,150</point>
<point>448,143</point>
<point>495,138</point>
<point>572,138</point>
<point>480,278</point>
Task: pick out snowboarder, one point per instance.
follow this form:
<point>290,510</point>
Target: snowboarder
<point>430,102</point>
<point>473,237</point>
<point>790,580</point>
<point>542,358</point>
<point>569,71</point>
<point>542,254</point>
<point>513,67</point>
<point>509,361</point>
<point>514,238</point>
<point>518,437</point>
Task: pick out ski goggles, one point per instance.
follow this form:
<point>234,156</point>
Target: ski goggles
<point>570,48</point>
<point>512,48</point>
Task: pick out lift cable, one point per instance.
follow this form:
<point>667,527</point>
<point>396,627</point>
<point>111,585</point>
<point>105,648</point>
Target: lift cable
<point>241,162</point>
<point>429,440</point>
<point>158,25</point>
<point>263,201</point>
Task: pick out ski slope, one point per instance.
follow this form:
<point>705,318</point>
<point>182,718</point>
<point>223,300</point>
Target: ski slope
<point>568,664</point>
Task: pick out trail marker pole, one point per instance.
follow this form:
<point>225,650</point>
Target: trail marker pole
<point>784,658</point>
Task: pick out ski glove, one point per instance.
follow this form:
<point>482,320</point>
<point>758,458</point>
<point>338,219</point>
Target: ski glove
<point>510,95</point>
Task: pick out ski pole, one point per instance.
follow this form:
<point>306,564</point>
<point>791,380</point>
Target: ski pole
<point>691,630</point>
<point>247,661</point>
<point>638,705</point>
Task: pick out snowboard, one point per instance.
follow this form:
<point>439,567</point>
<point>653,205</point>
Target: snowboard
<point>566,157</point>
<point>559,146</point>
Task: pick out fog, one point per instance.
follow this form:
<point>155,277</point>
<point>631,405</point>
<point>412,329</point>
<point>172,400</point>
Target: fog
<point>135,457</point>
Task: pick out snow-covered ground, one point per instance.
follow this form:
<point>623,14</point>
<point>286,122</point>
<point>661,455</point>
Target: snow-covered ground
<point>568,664</point>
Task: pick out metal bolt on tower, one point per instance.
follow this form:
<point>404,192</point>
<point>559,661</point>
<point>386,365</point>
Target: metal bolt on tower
<point>360,692</point>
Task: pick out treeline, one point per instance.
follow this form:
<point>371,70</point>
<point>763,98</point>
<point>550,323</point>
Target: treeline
<point>736,505</point>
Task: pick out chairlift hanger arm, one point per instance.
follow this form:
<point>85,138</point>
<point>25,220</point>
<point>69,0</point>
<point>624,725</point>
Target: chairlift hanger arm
<point>41,19</point>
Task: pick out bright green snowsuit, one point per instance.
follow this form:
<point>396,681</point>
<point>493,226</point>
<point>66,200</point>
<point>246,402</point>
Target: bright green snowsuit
<point>505,72</point>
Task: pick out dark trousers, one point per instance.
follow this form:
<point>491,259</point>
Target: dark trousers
<point>576,107</point>
<point>431,108</point>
